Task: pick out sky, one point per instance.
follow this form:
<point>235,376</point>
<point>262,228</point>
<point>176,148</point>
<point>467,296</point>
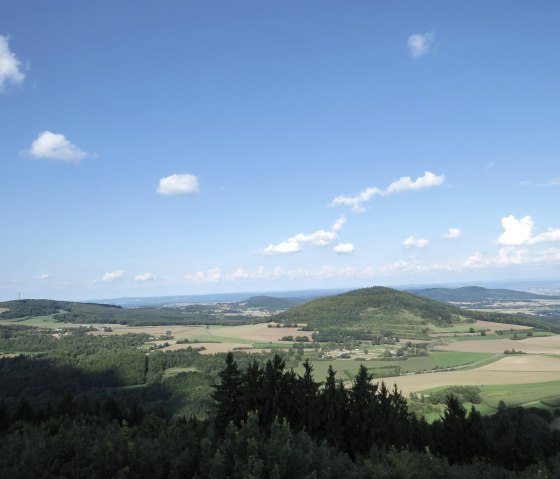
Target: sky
<point>185,147</point>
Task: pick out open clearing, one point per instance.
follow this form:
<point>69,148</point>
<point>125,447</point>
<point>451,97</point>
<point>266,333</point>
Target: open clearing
<point>258,332</point>
<point>493,327</point>
<point>507,370</point>
<point>523,363</point>
<point>249,333</point>
<point>474,377</point>
<point>546,345</point>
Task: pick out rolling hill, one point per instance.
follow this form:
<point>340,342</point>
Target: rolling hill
<point>92,313</point>
<point>375,310</point>
<point>380,310</point>
<point>477,294</point>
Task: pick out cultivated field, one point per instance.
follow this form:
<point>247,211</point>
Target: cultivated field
<point>539,345</point>
<point>474,377</point>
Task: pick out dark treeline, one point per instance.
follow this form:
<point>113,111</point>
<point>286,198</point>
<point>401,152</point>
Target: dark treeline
<point>368,417</point>
<point>270,423</point>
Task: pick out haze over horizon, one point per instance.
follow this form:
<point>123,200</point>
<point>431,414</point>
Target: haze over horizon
<point>213,147</point>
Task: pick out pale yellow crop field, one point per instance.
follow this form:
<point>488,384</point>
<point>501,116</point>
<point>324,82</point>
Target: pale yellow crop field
<point>524,363</point>
<point>258,332</point>
<point>544,345</point>
<point>493,327</point>
<point>154,330</point>
<point>519,369</point>
<point>474,377</point>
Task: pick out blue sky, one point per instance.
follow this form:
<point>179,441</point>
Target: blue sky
<point>180,147</point>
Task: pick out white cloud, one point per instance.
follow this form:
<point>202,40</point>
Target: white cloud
<point>344,248</point>
<point>297,242</point>
<point>405,183</point>
<point>43,276</point>
<point>416,242</point>
<point>338,224</point>
<point>178,184</point>
<point>55,146</point>
<point>209,276</point>
<point>10,66</point>
<point>476,260</point>
<point>112,276</point>
<point>144,277</point>
<point>519,232</point>
<point>260,273</point>
<point>420,43</point>
<point>453,233</point>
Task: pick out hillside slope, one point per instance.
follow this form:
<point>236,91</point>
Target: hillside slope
<point>92,313</point>
<point>477,294</point>
<point>373,308</point>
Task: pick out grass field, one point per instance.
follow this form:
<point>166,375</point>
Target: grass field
<point>348,368</point>
<point>547,393</point>
<point>453,359</point>
<point>532,378</point>
<point>39,322</point>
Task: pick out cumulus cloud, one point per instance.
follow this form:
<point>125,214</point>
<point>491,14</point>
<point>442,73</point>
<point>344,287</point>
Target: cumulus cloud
<point>411,241</point>
<point>405,183</point>
<point>10,66</point>
<point>43,276</point>
<point>519,232</point>
<point>453,233</point>
<point>144,277</point>
<point>344,248</point>
<point>55,146</point>
<point>178,184</point>
<point>297,242</point>
<point>112,275</point>
<point>420,43</point>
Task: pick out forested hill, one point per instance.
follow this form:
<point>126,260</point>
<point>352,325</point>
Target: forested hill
<point>477,294</point>
<point>44,307</point>
<point>357,308</point>
<point>92,313</point>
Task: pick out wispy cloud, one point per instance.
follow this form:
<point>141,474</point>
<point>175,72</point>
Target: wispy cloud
<point>112,276</point>
<point>43,276</point>
<point>412,241</point>
<point>10,66</point>
<point>420,43</point>
<point>55,146</point>
<point>209,276</point>
<point>453,233</point>
<point>297,242</point>
<point>520,232</point>
<point>405,183</point>
<point>178,184</point>
<point>144,277</point>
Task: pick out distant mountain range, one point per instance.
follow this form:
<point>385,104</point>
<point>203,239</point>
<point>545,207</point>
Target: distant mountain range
<point>476,294</point>
<point>171,301</point>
